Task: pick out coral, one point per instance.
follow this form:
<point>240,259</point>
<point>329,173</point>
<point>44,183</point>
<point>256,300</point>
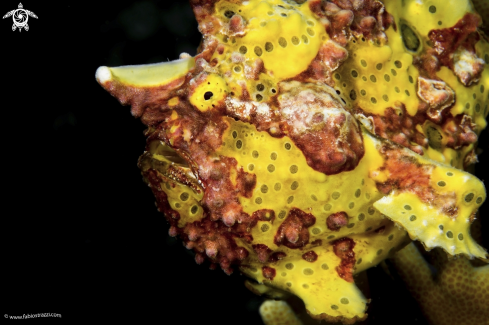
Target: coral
<point>457,294</point>
<point>278,312</point>
<point>310,140</point>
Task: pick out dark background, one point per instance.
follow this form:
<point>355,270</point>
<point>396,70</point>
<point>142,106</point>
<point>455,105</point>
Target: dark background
<point>81,236</point>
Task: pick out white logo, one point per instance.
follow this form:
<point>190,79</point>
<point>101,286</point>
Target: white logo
<point>20,17</point>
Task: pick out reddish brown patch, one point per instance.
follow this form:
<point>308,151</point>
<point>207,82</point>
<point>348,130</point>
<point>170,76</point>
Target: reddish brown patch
<point>329,150</point>
<point>447,40</point>
<point>337,220</point>
<point>459,131</point>
<point>398,126</point>
<point>343,248</point>
<point>236,25</point>
<point>246,183</point>
<point>277,256</point>
<point>329,57</point>
<point>310,256</point>
<point>263,252</point>
<point>317,242</point>
<point>268,272</point>
<point>293,232</point>
<point>264,215</point>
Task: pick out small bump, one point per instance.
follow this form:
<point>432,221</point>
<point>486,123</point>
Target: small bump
<point>271,168</point>
<point>239,144</point>
<point>482,89</point>
<point>308,271</point>
<point>393,72</point>
<point>260,87</point>
<point>287,146</point>
<point>290,199</point>
<point>379,252</point>
<point>379,66</point>
<point>258,200</point>
<point>310,31</point>
<point>363,92</point>
<point>184,196</point>
<point>289,284</point>
<point>289,266</point>
<point>294,185</point>
<point>237,69</point>
<point>351,205</point>
<point>469,197</point>
<point>305,286</point>
<point>354,73</point>
<point>251,167</point>
<point>411,80</point>
<point>441,227</point>
<point>407,207</point>
<point>310,23</point>
<point>337,77</point>
<point>385,98</point>
<point>373,100</point>
<point>277,187</point>
<point>336,195</point>
<point>371,210</point>
<point>363,63</point>
<point>294,169</point>
<point>449,234</point>
<point>358,192</point>
<point>387,78</point>
<point>235,134</point>
<point>449,174</point>
<point>327,207</point>
<point>194,209</point>
<point>432,9</point>
<point>359,261</point>
<point>282,42</point>
<point>345,301</point>
<point>353,94</point>
<point>295,40</point>
<point>268,47</point>
<point>264,227</point>
<point>243,49</point>
<point>258,51</point>
<point>281,214</point>
<point>305,39</point>
<point>351,225</point>
<point>334,307</point>
<point>273,156</point>
<point>412,218</point>
<point>397,90</point>
<point>407,92</point>
<point>324,266</point>
<point>477,107</point>
<point>313,197</point>
<point>316,231</point>
<point>255,154</point>
<point>364,78</point>
<point>373,78</point>
<point>479,200</point>
<point>398,64</point>
<point>331,236</point>
<point>264,189</point>
<point>178,205</point>
<point>283,274</point>
<point>390,237</point>
<point>460,237</point>
<point>439,23</point>
<point>361,217</point>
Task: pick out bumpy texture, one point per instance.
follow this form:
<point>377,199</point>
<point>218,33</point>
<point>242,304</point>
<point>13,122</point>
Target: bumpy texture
<point>310,140</point>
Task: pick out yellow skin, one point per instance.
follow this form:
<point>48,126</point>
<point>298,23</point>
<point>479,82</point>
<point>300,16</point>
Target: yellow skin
<point>256,65</point>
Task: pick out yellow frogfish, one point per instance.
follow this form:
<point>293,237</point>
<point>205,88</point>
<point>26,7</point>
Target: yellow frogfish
<point>308,141</point>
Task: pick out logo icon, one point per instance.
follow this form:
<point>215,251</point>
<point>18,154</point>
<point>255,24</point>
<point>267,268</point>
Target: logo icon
<point>20,17</point>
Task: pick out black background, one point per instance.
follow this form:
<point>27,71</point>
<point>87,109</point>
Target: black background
<point>81,236</point>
